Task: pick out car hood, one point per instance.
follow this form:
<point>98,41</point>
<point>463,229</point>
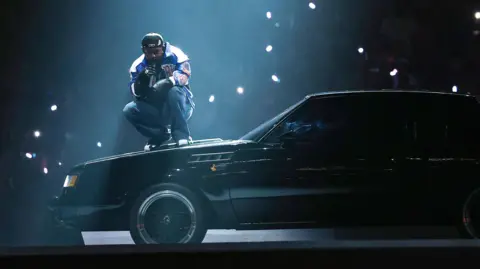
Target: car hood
<point>196,146</point>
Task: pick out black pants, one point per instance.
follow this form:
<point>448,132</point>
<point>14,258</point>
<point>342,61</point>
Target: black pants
<point>151,118</point>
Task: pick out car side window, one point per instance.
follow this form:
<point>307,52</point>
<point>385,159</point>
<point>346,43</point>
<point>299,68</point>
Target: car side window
<point>315,119</point>
<point>359,125</point>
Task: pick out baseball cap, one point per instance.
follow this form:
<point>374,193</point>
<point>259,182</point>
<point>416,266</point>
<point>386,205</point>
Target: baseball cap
<point>152,40</point>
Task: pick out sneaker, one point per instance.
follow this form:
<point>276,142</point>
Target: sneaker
<point>185,142</point>
<point>153,144</point>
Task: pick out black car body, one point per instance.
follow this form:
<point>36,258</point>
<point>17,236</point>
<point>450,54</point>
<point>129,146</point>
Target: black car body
<point>333,159</point>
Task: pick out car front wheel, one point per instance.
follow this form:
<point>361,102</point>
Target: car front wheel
<point>167,214</point>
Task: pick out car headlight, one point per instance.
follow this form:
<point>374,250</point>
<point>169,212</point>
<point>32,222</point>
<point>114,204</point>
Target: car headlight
<point>70,181</point>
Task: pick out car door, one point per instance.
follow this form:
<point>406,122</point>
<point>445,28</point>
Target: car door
<point>380,140</point>
<point>275,186</point>
<point>302,175</point>
<point>320,162</point>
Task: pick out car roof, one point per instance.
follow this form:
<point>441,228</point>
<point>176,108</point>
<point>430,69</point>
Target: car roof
<point>386,91</point>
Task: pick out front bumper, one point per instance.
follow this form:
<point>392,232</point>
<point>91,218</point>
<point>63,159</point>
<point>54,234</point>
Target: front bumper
<point>88,218</point>
<point>63,216</point>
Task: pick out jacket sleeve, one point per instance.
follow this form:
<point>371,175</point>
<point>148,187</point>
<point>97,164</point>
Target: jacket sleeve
<point>131,84</point>
<point>182,74</point>
<point>137,82</point>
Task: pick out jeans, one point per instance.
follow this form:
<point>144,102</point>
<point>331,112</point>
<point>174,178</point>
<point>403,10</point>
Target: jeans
<point>151,118</point>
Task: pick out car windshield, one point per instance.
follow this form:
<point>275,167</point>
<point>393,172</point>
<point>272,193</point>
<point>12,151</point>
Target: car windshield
<point>263,128</point>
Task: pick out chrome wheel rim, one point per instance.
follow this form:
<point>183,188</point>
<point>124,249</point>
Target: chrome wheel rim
<point>150,221</point>
<point>468,221</point>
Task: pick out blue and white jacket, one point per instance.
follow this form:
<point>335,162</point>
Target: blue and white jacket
<point>175,66</point>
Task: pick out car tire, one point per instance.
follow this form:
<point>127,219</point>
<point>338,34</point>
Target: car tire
<point>154,215</point>
<point>469,223</point>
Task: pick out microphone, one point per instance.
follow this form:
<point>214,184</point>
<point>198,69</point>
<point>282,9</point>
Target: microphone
<point>153,78</point>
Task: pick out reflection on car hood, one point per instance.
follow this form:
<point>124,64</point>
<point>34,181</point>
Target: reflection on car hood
<point>172,147</point>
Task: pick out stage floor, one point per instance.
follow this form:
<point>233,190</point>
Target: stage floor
<point>233,236</point>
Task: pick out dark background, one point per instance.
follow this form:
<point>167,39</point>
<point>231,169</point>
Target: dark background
<point>76,55</point>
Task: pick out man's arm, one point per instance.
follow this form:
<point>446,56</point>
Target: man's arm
<point>131,84</point>
<point>139,82</point>
<point>182,72</point>
<point>181,76</point>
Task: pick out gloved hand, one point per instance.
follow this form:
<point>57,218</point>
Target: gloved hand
<point>145,75</point>
<point>141,87</point>
<point>150,70</point>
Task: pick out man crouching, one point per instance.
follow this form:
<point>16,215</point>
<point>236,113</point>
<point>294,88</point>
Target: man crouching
<point>162,97</point>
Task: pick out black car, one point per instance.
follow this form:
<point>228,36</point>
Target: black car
<point>333,159</point>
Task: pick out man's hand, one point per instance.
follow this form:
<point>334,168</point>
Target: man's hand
<point>141,87</point>
<point>150,70</point>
